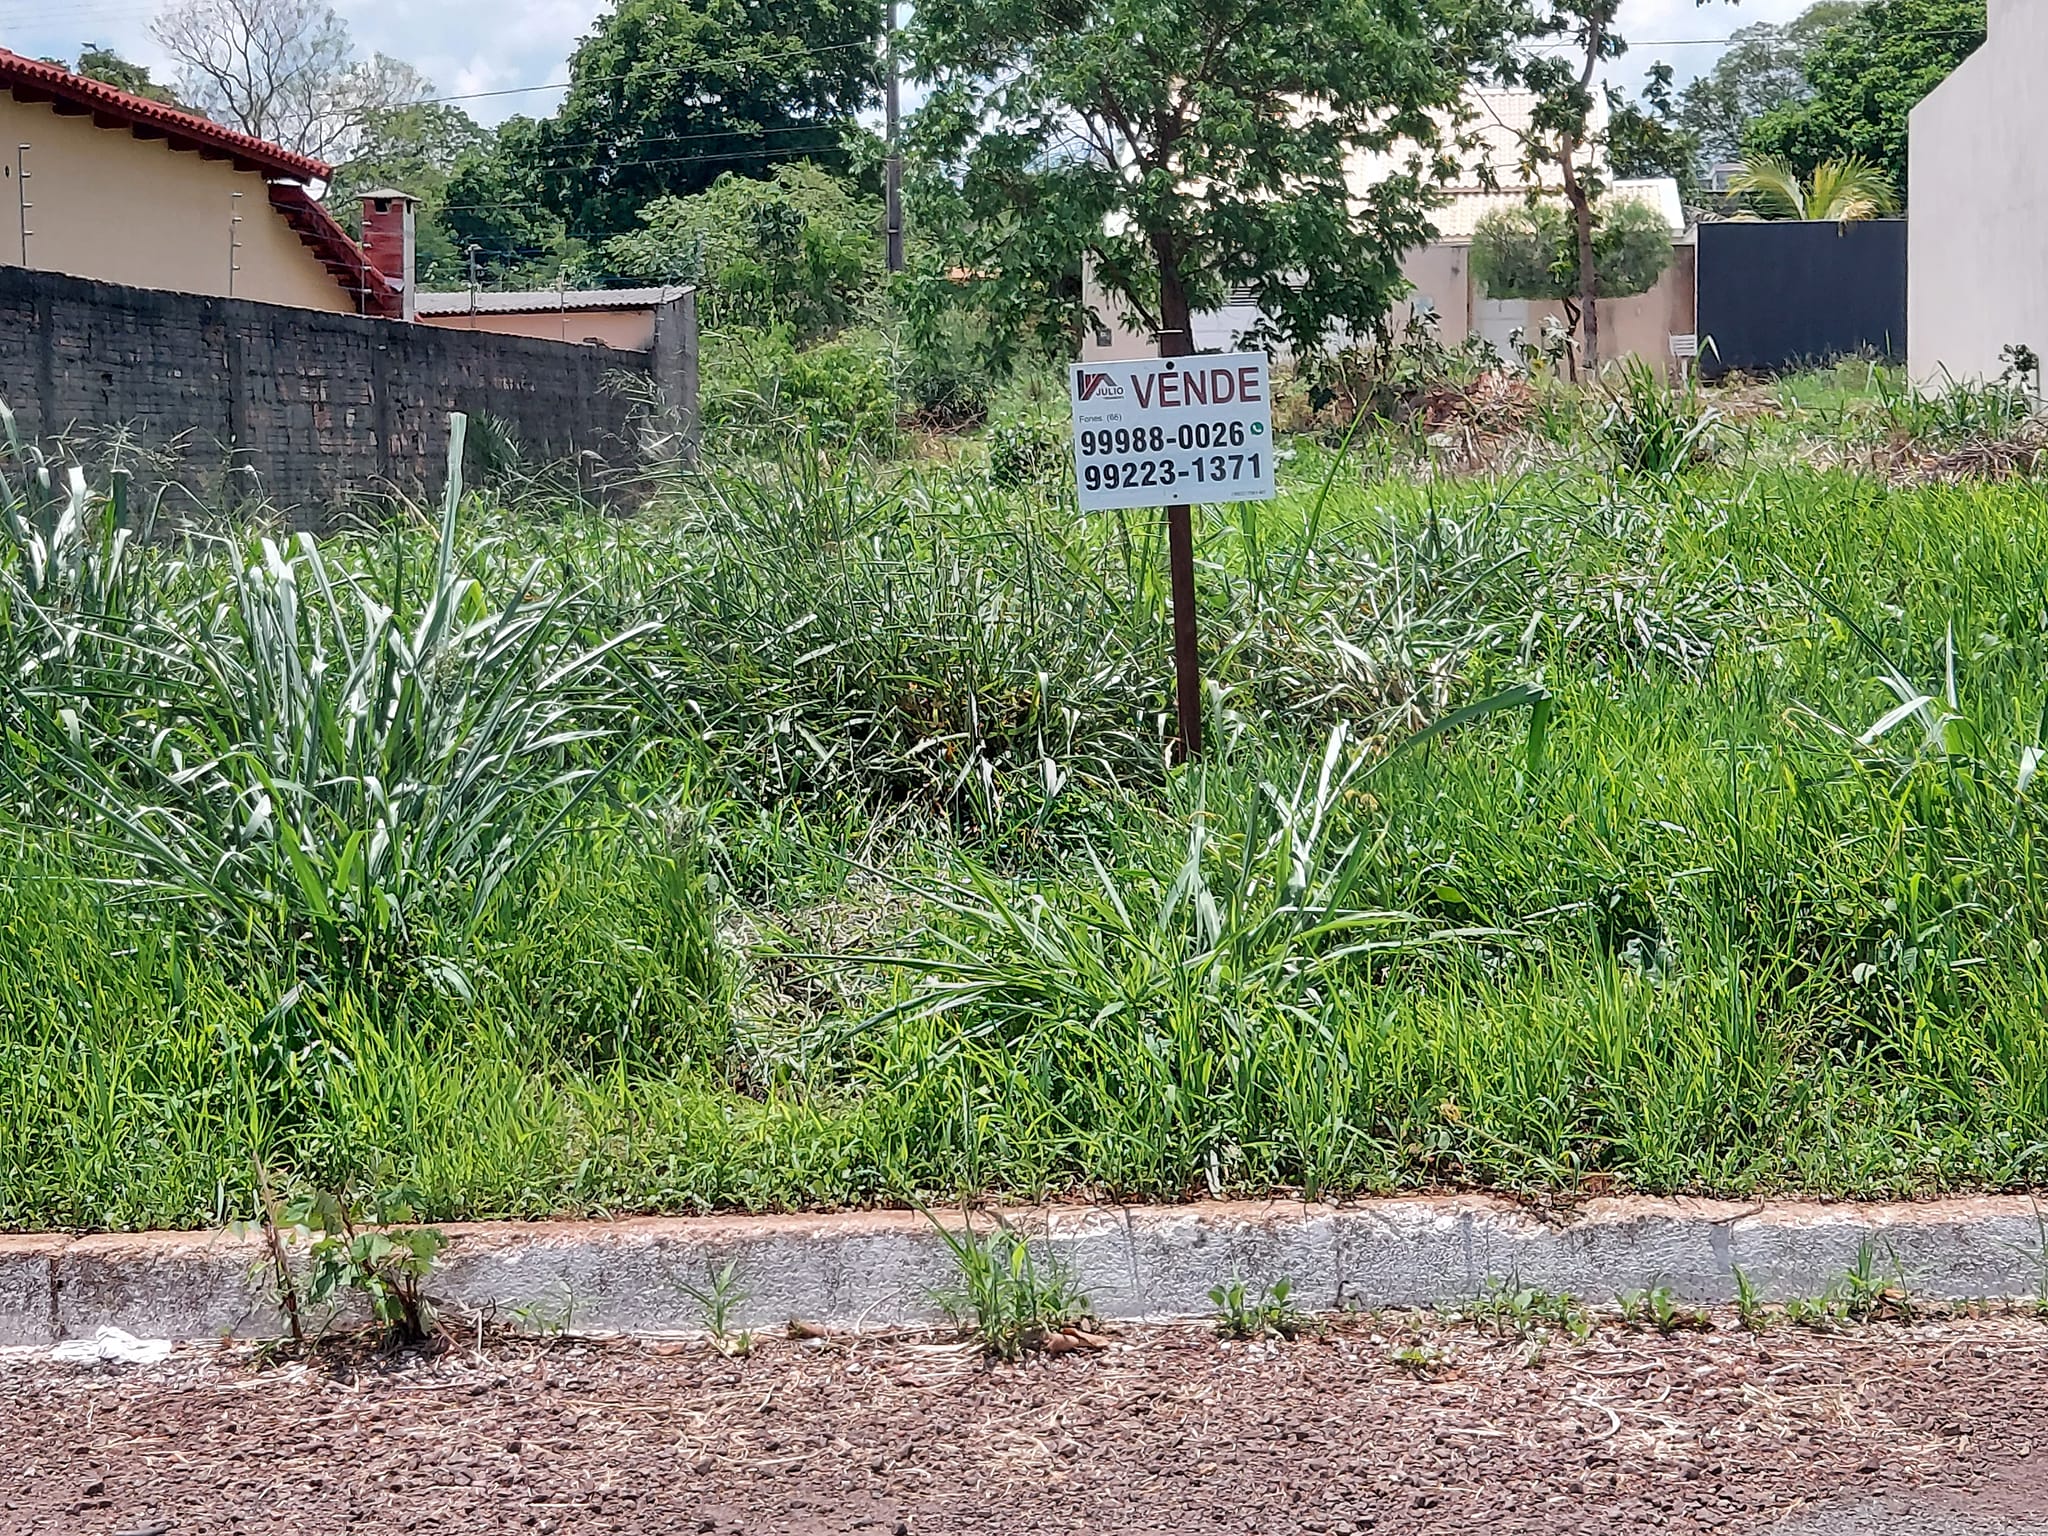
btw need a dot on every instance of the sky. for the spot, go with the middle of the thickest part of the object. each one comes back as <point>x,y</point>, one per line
<point>474,46</point>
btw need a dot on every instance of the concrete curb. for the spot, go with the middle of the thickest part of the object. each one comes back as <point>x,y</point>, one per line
<point>880,1269</point>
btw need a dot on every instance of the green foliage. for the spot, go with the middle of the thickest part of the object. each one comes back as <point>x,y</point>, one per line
<point>1762,69</point>
<point>1262,1314</point>
<point>1531,251</point>
<point>1007,1297</point>
<point>493,201</point>
<point>1657,1308</point>
<point>1028,451</point>
<point>1839,191</point>
<point>1520,253</point>
<point>1958,413</point>
<point>718,1299</point>
<point>1528,1312</point>
<point>949,371</point>
<point>415,148</point>
<point>387,1268</point>
<point>897,894</point>
<point>1750,1310</point>
<point>1865,75</point>
<point>1197,168</point>
<point>123,74</point>
<point>1649,427</point>
<point>327,764</point>
<point>1647,138</point>
<point>666,96</point>
<point>797,250</point>
<point>760,386</point>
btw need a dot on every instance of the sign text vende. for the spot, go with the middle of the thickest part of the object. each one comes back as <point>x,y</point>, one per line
<point>1155,432</point>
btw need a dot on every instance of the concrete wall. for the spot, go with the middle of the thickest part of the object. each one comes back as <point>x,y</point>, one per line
<point>310,410</point>
<point>629,330</point>
<point>126,210</point>
<point>1641,326</point>
<point>1977,196</point>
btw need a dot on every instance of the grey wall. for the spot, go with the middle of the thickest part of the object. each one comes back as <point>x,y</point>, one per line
<point>312,411</point>
<point>1774,295</point>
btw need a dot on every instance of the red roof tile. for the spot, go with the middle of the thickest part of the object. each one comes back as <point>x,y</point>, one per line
<point>375,293</point>
<point>79,96</point>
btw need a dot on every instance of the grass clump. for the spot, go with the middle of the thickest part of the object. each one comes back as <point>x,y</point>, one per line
<point>812,839</point>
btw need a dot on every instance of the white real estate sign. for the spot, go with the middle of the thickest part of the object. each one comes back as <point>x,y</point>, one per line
<point>1153,432</point>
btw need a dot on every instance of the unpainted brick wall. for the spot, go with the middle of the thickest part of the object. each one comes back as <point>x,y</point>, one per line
<point>310,411</point>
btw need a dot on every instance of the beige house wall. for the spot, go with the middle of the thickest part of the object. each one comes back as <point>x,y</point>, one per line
<point>629,330</point>
<point>1642,326</point>
<point>110,206</point>
<point>1977,195</point>
<point>1442,273</point>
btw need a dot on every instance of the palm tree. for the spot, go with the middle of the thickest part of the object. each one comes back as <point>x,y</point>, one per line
<point>1841,190</point>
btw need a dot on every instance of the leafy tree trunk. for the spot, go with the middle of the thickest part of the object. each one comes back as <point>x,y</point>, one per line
<point>1577,195</point>
<point>1176,324</point>
<point>1580,197</point>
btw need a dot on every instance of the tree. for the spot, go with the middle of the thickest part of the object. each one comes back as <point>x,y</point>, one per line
<point>1646,138</point>
<point>666,96</point>
<point>1179,147</point>
<point>1562,131</point>
<point>1865,77</point>
<point>1841,191</point>
<point>1532,252</point>
<point>797,248</point>
<point>417,149</point>
<point>107,66</point>
<point>283,70</point>
<point>493,205</point>
<point>1764,68</point>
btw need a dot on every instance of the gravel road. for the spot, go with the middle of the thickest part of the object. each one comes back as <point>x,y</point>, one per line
<point>1405,1426</point>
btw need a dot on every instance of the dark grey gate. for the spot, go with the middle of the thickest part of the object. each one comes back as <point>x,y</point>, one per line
<point>1774,296</point>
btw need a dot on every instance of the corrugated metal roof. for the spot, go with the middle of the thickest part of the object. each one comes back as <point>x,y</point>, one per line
<point>544,300</point>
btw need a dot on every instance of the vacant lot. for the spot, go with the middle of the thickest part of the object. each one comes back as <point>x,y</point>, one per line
<point>1651,806</point>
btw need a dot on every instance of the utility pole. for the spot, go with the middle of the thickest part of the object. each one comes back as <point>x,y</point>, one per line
<point>892,168</point>
<point>234,239</point>
<point>470,251</point>
<point>21,202</point>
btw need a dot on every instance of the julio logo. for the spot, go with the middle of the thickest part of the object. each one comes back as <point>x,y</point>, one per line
<point>1098,386</point>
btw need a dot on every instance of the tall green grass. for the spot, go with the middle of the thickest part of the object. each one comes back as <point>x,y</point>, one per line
<point>812,839</point>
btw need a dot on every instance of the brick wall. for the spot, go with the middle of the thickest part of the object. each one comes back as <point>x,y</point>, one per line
<point>314,411</point>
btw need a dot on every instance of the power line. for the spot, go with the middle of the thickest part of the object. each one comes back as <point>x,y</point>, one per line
<point>562,85</point>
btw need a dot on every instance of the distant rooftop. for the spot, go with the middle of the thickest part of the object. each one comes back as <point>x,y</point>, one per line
<point>544,300</point>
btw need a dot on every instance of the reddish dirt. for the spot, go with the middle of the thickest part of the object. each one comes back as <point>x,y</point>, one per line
<point>1168,1430</point>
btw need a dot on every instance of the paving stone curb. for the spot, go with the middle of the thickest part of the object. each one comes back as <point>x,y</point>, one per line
<point>880,1269</point>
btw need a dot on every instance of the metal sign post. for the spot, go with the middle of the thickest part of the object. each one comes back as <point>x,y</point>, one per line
<point>1168,432</point>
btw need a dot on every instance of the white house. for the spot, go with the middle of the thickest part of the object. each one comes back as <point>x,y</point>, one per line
<point>1977,199</point>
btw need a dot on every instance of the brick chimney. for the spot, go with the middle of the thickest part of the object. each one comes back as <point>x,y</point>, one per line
<point>388,240</point>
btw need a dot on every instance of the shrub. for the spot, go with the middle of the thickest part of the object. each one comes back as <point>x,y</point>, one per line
<point>1026,451</point>
<point>1532,252</point>
<point>797,249</point>
<point>758,382</point>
